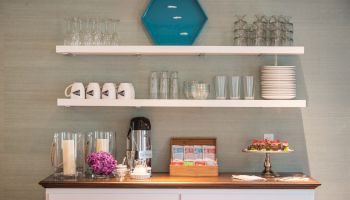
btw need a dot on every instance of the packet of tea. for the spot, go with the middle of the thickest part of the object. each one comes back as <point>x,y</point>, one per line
<point>189,153</point>
<point>198,152</point>
<point>209,152</point>
<point>177,152</point>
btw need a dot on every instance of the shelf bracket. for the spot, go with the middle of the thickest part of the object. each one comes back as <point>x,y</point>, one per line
<point>68,54</point>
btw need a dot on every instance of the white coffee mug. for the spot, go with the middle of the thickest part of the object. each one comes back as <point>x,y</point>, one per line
<point>77,91</point>
<point>126,91</point>
<point>93,91</point>
<point>109,91</point>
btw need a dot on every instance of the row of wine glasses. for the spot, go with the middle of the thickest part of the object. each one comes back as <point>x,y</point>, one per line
<point>90,31</point>
<point>263,31</point>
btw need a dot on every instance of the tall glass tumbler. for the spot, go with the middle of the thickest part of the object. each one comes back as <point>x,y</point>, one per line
<point>164,85</point>
<point>174,85</point>
<point>67,154</point>
<point>154,85</point>
<point>235,87</point>
<point>220,87</point>
<point>248,87</point>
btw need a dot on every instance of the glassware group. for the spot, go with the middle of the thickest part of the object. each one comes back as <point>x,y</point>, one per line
<point>91,31</point>
<point>69,151</point>
<point>264,31</point>
<point>224,86</point>
<point>234,87</point>
<point>163,86</point>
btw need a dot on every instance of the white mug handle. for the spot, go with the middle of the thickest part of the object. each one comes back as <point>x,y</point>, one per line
<point>66,90</point>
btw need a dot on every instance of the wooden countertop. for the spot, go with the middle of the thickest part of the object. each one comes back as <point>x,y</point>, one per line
<point>163,180</point>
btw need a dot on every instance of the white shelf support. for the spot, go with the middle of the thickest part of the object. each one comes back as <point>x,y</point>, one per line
<point>180,50</point>
<point>180,103</point>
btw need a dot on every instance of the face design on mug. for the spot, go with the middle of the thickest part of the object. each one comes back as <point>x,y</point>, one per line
<point>77,92</point>
<point>105,93</point>
<point>122,93</point>
<point>91,93</point>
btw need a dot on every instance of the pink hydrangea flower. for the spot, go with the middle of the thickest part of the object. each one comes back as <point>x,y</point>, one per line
<point>101,163</point>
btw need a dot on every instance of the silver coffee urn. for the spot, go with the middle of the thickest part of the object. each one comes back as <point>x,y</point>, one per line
<point>138,146</point>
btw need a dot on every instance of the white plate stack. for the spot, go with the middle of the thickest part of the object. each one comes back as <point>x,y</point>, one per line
<point>278,82</point>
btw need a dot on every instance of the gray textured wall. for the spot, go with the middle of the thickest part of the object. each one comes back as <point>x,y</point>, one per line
<point>33,77</point>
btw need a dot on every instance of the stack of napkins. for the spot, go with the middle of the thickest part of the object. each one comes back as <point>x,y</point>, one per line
<point>248,178</point>
<point>294,179</point>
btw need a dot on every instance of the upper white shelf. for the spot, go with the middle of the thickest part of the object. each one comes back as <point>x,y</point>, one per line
<point>179,103</point>
<point>180,50</point>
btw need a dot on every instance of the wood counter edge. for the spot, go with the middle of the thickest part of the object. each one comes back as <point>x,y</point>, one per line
<point>50,183</point>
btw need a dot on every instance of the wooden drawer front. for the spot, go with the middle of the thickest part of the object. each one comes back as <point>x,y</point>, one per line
<point>84,196</point>
<point>249,194</point>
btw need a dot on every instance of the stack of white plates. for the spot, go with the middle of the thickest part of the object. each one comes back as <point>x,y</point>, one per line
<point>278,82</point>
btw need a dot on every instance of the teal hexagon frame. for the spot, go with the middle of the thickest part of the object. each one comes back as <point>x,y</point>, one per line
<point>174,22</point>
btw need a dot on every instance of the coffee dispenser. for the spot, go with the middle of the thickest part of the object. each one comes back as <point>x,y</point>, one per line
<point>138,146</point>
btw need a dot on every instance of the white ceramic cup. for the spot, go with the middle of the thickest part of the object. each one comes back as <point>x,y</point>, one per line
<point>126,91</point>
<point>77,91</point>
<point>93,91</point>
<point>109,91</point>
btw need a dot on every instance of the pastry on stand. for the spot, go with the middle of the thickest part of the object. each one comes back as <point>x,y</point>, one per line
<point>268,147</point>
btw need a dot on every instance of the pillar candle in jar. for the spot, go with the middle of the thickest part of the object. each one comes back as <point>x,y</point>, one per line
<point>69,167</point>
<point>102,145</point>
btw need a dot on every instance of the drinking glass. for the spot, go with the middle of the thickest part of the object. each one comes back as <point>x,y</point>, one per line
<point>154,85</point>
<point>75,41</point>
<point>164,85</point>
<point>174,85</point>
<point>104,32</point>
<point>200,90</point>
<point>248,87</point>
<point>68,32</point>
<point>220,87</point>
<point>241,31</point>
<point>187,88</point>
<point>235,87</point>
<point>115,36</point>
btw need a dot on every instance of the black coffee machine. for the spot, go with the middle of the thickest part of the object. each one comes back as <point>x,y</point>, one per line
<point>138,145</point>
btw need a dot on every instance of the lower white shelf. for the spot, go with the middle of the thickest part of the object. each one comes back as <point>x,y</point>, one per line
<point>179,103</point>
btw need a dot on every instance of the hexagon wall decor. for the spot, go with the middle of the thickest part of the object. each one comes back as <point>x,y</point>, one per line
<point>174,22</point>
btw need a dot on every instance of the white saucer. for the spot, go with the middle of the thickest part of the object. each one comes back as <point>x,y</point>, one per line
<point>279,90</point>
<point>277,75</point>
<point>268,87</point>
<point>276,81</point>
<point>278,71</point>
<point>140,176</point>
<point>278,67</point>
<point>279,97</point>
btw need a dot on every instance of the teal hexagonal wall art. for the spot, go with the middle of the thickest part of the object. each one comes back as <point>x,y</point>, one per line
<point>174,22</point>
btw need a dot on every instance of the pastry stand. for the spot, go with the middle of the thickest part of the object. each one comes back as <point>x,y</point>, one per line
<point>267,163</point>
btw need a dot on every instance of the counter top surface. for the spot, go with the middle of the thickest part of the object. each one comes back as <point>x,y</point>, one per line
<point>163,180</point>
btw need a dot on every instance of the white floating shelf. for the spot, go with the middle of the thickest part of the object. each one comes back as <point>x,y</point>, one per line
<point>179,103</point>
<point>180,50</point>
